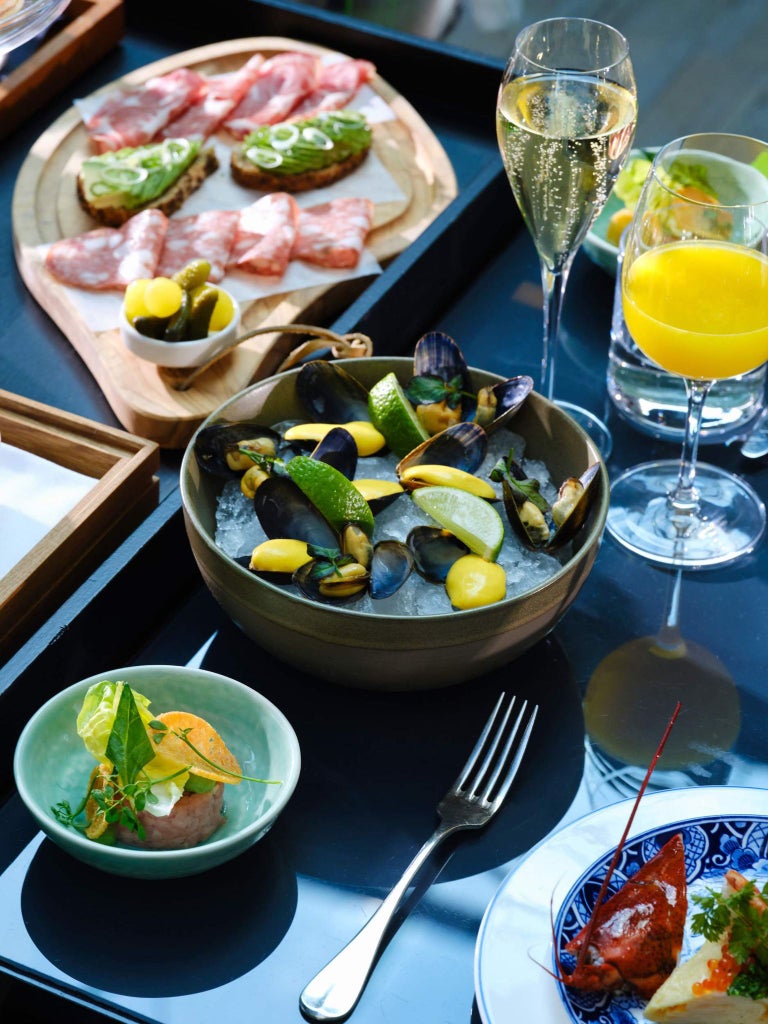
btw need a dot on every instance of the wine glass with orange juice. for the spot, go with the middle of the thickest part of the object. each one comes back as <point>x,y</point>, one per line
<point>695,299</point>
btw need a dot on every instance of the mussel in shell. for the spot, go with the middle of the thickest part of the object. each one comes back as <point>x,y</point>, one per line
<point>462,446</point>
<point>330,583</point>
<point>283,510</point>
<point>539,525</point>
<point>219,447</point>
<point>391,566</point>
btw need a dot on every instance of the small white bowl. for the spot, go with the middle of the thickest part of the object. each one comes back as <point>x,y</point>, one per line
<point>179,353</point>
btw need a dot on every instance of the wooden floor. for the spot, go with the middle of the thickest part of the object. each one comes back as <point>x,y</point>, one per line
<point>700,65</point>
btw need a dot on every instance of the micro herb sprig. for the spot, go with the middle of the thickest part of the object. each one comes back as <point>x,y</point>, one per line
<point>522,489</point>
<point>326,561</point>
<point>125,792</point>
<point>741,916</point>
<point>269,463</point>
<point>426,389</point>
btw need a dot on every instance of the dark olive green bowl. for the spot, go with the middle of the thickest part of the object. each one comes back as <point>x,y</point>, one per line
<point>382,651</point>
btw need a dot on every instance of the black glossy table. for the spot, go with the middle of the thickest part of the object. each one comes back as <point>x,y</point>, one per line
<point>240,942</point>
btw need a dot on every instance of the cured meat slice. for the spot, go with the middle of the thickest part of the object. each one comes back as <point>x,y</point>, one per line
<point>133,117</point>
<point>107,259</point>
<point>208,236</point>
<point>337,85</point>
<point>220,96</point>
<point>333,234</point>
<point>265,235</point>
<point>283,81</point>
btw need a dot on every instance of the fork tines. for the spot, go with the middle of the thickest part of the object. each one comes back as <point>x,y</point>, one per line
<point>493,764</point>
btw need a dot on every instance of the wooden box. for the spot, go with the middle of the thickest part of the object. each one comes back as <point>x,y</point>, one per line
<point>125,490</point>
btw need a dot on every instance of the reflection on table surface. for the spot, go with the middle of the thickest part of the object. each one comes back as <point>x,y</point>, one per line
<point>245,939</point>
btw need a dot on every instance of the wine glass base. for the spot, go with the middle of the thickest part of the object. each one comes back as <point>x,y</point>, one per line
<point>727,525</point>
<point>591,425</point>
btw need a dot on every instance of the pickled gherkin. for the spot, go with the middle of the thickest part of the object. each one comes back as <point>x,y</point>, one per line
<point>203,301</point>
<point>193,275</point>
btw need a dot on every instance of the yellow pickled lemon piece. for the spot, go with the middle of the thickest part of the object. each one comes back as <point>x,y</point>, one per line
<point>616,225</point>
<point>473,582</point>
<point>135,305</point>
<point>279,555</point>
<point>222,313</point>
<point>367,438</point>
<point>211,757</point>
<point>447,476</point>
<point>473,520</point>
<point>334,496</point>
<point>162,296</point>
<point>393,414</point>
<point>371,489</point>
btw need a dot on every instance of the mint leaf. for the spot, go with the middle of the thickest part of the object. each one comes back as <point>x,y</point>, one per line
<point>128,746</point>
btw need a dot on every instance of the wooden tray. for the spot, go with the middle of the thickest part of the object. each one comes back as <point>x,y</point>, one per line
<point>82,35</point>
<point>142,395</point>
<point>124,492</point>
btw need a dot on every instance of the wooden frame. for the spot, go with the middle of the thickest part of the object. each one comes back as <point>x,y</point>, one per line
<point>85,32</point>
<point>125,490</point>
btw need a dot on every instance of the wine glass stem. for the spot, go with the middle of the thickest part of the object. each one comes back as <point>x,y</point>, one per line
<point>683,500</point>
<point>553,284</point>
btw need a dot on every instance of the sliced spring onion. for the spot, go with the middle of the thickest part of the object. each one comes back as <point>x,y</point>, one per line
<point>283,136</point>
<point>267,159</point>
<point>314,137</point>
<point>173,151</point>
<point>123,175</point>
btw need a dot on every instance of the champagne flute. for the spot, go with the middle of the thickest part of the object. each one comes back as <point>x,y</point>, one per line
<point>695,298</point>
<point>565,120</point>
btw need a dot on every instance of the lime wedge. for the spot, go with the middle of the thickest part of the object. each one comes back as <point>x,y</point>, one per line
<point>473,520</point>
<point>334,496</point>
<point>393,415</point>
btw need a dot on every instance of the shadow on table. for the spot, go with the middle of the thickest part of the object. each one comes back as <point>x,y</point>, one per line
<point>170,938</point>
<point>374,765</point>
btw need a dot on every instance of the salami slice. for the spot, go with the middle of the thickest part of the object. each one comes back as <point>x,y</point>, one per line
<point>133,117</point>
<point>220,96</point>
<point>108,259</point>
<point>283,81</point>
<point>333,234</point>
<point>266,234</point>
<point>208,236</point>
<point>336,86</point>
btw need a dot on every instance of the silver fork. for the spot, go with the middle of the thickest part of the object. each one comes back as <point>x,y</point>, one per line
<point>471,802</point>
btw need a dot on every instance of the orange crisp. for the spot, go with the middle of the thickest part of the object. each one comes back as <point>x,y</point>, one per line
<point>204,738</point>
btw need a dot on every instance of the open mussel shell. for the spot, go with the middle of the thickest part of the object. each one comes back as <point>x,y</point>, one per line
<point>338,449</point>
<point>284,510</point>
<point>339,586</point>
<point>216,446</point>
<point>497,405</point>
<point>434,551</point>
<point>573,504</point>
<point>437,355</point>
<point>462,446</point>
<point>391,566</point>
<point>331,394</point>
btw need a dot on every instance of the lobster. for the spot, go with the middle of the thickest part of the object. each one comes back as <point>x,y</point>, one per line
<point>633,939</point>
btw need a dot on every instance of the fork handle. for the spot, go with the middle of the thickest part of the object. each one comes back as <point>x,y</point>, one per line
<point>334,991</point>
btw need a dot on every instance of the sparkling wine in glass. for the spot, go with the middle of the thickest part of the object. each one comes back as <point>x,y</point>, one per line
<point>695,299</point>
<point>565,119</point>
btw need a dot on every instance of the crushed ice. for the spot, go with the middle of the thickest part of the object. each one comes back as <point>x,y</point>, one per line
<point>238,532</point>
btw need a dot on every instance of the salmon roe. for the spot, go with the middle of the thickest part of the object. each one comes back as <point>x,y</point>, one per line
<point>721,973</point>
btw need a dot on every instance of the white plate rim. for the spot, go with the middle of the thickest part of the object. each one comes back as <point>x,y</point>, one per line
<point>552,867</point>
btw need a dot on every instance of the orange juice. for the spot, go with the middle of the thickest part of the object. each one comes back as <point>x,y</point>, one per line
<point>699,308</point>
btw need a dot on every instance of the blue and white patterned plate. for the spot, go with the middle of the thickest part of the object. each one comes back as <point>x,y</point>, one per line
<point>723,827</point>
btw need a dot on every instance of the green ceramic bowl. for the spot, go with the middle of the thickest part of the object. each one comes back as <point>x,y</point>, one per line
<point>382,651</point>
<point>51,764</point>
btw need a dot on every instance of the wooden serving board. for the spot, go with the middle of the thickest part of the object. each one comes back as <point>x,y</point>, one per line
<point>142,395</point>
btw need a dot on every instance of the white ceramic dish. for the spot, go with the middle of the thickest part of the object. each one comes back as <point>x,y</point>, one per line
<point>51,764</point>
<point>179,353</point>
<point>516,933</point>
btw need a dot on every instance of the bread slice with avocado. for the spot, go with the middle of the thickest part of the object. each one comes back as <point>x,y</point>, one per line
<point>114,186</point>
<point>295,156</point>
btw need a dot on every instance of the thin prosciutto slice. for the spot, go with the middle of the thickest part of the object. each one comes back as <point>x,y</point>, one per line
<point>108,259</point>
<point>208,236</point>
<point>266,234</point>
<point>133,117</point>
<point>221,95</point>
<point>283,81</point>
<point>333,234</point>
<point>337,85</point>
